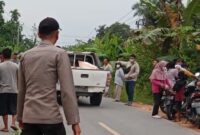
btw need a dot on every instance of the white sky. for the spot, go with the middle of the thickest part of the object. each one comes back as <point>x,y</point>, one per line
<point>78,18</point>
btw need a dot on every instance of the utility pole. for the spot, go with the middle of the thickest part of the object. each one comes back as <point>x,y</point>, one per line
<point>18,34</point>
<point>140,22</point>
<point>34,28</point>
<point>19,29</point>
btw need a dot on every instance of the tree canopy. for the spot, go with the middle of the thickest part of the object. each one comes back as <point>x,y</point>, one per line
<point>11,32</point>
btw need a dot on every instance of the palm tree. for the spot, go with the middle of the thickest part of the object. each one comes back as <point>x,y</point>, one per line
<point>160,13</point>
<point>2,4</point>
<point>168,13</point>
<point>192,13</point>
<point>149,10</point>
<point>15,15</point>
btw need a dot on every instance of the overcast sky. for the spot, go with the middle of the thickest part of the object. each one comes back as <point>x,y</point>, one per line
<point>78,18</point>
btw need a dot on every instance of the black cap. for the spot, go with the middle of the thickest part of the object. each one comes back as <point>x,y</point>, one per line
<point>48,25</point>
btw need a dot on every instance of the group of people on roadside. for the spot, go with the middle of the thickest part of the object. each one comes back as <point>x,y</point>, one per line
<point>169,76</point>
<point>126,71</point>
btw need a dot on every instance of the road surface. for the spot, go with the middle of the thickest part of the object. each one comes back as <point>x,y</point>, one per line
<point>117,119</point>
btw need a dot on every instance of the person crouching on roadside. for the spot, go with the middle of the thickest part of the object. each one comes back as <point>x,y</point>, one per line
<point>159,81</point>
<point>119,82</point>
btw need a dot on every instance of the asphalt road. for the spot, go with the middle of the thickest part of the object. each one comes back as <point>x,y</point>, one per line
<point>117,119</point>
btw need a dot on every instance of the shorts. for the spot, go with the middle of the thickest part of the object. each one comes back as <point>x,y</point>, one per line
<point>8,104</point>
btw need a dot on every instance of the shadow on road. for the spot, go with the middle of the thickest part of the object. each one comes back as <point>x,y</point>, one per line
<point>84,102</point>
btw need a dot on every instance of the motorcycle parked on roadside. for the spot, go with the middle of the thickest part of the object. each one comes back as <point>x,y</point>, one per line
<point>192,105</point>
<point>192,102</point>
<point>175,96</point>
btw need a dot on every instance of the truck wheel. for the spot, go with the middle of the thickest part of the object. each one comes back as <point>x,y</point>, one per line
<point>96,99</point>
<point>59,98</point>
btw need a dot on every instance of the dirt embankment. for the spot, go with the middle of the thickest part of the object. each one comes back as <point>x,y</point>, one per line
<point>183,123</point>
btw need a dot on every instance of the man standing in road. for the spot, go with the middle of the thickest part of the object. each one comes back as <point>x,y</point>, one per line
<point>8,89</point>
<point>40,69</point>
<point>107,67</point>
<point>131,75</point>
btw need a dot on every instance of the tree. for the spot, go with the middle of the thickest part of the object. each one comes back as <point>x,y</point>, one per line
<point>159,13</point>
<point>15,15</point>
<point>11,32</point>
<point>172,9</point>
<point>101,31</point>
<point>149,10</point>
<point>192,13</point>
<point>122,31</point>
<point>13,29</point>
<point>2,4</point>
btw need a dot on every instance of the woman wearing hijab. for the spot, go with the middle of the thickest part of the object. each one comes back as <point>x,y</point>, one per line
<point>159,81</point>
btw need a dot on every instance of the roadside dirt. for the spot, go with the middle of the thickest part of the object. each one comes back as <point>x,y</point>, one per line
<point>183,123</point>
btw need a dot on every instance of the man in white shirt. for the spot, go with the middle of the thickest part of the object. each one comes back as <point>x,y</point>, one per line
<point>8,89</point>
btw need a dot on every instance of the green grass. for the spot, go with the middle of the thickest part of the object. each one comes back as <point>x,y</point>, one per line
<point>18,132</point>
<point>142,94</point>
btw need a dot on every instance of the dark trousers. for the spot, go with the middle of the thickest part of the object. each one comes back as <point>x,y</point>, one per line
<point>44,129</point>
<point>157,99</point>
<point>8,104</point>
<point>130,85</point>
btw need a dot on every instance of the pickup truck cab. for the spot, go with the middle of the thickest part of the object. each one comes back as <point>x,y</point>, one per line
<point>89,82</point>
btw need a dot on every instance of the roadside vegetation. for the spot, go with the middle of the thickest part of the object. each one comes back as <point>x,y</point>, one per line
<point>11,31</point>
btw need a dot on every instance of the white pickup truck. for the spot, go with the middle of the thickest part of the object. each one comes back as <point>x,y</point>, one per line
<point>88,82</point>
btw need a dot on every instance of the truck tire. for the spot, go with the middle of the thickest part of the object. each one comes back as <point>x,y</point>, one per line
<point>96,99</point>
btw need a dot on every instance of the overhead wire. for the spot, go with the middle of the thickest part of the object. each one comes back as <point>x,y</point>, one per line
<point>123,17</point>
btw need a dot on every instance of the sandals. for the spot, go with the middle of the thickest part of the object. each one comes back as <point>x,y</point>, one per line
<point>15,128</point>
<point>4,130</point>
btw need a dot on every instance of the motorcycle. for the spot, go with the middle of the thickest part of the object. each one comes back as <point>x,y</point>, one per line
<point>192,102</point>
<point>168,104</point>
<point>196,107</point>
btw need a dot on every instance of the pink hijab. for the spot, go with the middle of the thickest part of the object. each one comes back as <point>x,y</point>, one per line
<point>158,72</point>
